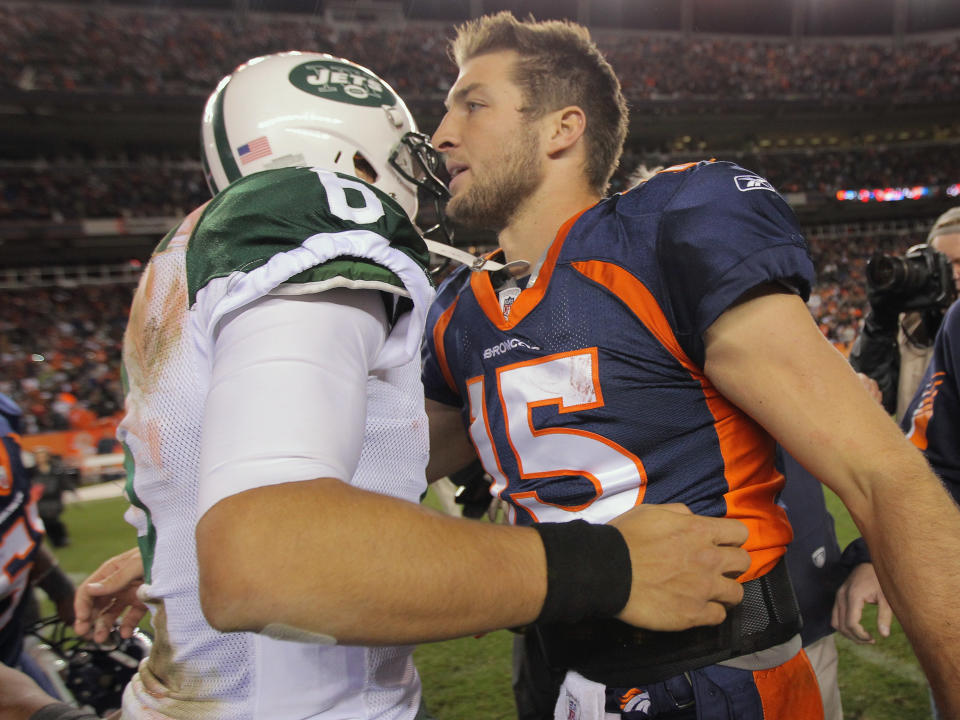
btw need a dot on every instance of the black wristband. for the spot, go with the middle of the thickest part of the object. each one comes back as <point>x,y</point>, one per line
<point>588,571</point>
<point>60,711</point>
<point>856,553</point>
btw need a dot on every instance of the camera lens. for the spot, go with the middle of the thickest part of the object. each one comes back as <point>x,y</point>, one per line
<point>885,272</point>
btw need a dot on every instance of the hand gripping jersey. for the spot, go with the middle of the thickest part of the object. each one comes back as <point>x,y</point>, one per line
<point>21,532</point>
<point>285,231</point>
<point>590,396</point>
<point>932,420</point>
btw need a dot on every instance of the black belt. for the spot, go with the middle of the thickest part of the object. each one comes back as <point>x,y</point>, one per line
<point>613,653</point>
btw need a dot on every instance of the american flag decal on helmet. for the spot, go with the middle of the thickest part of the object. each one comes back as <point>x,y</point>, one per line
<point>254,150</point>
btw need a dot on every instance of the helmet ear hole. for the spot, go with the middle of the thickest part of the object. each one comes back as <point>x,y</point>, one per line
<point>363,168</point>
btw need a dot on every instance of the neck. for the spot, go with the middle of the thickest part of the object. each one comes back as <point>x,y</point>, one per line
<point>535,224</point>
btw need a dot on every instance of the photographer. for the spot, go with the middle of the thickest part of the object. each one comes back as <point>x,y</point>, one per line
<point>908,297</point>
<point>920,381</point>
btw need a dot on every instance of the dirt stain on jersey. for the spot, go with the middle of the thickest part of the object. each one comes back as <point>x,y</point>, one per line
<point>159,311</point>
<point>179,694</point>
<point>157,318</point>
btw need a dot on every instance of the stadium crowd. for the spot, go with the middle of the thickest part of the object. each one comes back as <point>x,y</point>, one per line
<point>826,170</point>
<point>66,189</point>
<point>73,188</point>
<point>60,353</point>
<point>175,52</point>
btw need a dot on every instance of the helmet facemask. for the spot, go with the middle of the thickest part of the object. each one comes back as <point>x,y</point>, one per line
<point>415,159</point>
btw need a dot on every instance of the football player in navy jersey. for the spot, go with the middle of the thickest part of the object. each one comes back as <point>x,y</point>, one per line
<point>932,420</point>
<point>24,562</point>
<point>277,440</point>
<point>658,349</point>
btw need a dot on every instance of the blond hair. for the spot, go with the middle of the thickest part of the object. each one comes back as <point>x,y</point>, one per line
<point>559,66</point>
<point>946,224</point>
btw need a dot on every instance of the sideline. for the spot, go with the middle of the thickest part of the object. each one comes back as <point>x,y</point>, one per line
<point>100,491</point>
<point>875,656</point>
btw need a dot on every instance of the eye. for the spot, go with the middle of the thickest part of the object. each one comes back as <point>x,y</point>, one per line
<point>472,105</point>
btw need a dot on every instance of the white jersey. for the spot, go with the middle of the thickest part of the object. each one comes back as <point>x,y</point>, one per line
<point>287,231</point>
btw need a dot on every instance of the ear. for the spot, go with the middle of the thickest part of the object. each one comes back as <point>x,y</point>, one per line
<point>565,127</point>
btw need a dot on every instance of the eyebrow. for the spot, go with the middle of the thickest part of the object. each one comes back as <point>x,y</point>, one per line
<point>460,94</point>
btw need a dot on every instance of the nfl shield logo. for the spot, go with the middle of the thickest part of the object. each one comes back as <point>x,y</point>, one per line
<point>507,298</point>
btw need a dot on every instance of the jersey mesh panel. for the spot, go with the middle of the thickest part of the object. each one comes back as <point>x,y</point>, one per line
<point>393,462</point>
<point>162,429</point>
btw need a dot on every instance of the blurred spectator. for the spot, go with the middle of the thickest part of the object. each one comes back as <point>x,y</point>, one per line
<point>52,478</point>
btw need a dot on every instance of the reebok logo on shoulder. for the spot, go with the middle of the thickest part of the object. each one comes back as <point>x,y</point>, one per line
<point>752,182</point>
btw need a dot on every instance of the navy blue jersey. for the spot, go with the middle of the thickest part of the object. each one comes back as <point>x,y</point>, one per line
<point>21,532</point>
<point>932,420</point>
<point>589,397</point>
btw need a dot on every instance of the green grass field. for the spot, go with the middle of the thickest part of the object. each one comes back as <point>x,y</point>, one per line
<point>470,677</point>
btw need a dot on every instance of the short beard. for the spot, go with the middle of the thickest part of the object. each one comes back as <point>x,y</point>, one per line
<point>491,203</point>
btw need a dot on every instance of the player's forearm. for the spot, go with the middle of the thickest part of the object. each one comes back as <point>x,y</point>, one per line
<point>450,447</point>
<point>917,566</point>
<point>323,557</point>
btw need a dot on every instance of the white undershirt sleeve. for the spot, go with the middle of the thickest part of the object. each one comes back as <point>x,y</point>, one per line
<point>288,392</point>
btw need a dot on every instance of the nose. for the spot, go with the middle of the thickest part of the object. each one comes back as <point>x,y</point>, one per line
<point>444,137</point>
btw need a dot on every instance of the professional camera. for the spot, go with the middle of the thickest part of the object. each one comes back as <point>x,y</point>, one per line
<point>922,279</point>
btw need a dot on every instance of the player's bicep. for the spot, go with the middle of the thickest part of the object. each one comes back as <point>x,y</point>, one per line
<point>766,355</point>
<point>287,400</point>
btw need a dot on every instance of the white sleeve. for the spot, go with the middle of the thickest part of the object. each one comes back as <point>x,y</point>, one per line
<point>288,392</point>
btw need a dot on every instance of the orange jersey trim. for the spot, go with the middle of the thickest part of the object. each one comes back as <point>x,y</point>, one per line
<point>6,468</point>
<point>747,449</point>
<point>438,332</point>
<point>923,413</point>
<point>678,168</point>
<point>528,298</point>
<point>790,690</point>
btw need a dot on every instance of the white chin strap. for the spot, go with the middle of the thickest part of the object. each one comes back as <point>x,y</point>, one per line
<point>476,264</point>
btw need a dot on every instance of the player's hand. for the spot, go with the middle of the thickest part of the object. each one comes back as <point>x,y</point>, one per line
<point>684,566</point>
<point>871,386</point>
<point>111,591</point>
<point>860,588</point>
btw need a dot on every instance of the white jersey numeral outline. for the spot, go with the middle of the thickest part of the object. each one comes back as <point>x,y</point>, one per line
<point>336,188</point>
<point>571,382</point>
<point>17,544</point>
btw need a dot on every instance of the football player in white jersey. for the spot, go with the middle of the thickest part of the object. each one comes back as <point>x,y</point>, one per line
<point>276,438</point>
